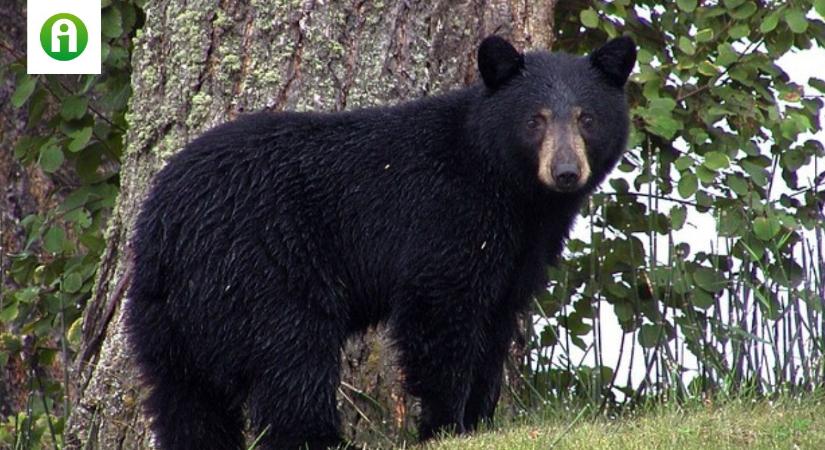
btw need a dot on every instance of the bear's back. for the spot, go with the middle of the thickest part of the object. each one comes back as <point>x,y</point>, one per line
<point>365,185</point>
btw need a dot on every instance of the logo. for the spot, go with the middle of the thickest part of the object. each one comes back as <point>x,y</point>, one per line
<point>64,37</point>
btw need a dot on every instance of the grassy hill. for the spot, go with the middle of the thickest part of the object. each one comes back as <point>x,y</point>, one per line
<point>784,424</point>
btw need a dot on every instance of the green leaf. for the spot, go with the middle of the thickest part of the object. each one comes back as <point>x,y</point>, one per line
<point>704,35</point>
<point>686,64</point>
<point>24,90</point>
<point>770,22</point>
<point>576,326</point>
<point>25,146</point>
<point>793,125</point>
<point>678,216</point>
<point>738,184</point>
<point>664,125</point>
<point>644,56</point>
<point>766,228</point>
<point>619,184</point>
<point>549,336</point>
<point>793,159</point>
<point>758,175</point>
<point>619,290</point>
<point>93,241</point>
<point>708,69</point>
<point>74,107</point>
<point>662,105</point>
<point>37,106</point>
<point>732,4</point>
<point>754,248</point>
<point>624,311</point>
<point>606,375</point>
<point>27,295</point>
<point>72,283</point>
<point>819,6</point>
<point>731,222</point>
<point>817,83</point>
<point>53,240</point>
<point>683,162</point>
<point>688,184</point>
<point>9,313</point>
<point>796,20</point>
<point>51,157</point>
<point>118,57</point>
<point>649,335</point>
<point>727,54</point>
<point>744,11</point>
<point>110,22</point>
<point>709,279</point>
<point>79,139</point>
<point>79,216</point>
<point>75,333</point>
<point>686,46</point>
<point>589,18</point>
<point>87,165</point>
<point>779,44</point>
<point>705,175</point>
<point>686,5</point>
<point>701,299</point>
<point>76,199</point>
<point>716,161</point>
<point>703,199</point>
<point>128,17</point>
<point>739,31</point>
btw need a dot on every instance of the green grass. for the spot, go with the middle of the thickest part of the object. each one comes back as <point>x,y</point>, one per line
<point>785,424</point>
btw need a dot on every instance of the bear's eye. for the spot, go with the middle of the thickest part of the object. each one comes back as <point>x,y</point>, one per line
<point>586,120</point>
<point>536,122</point>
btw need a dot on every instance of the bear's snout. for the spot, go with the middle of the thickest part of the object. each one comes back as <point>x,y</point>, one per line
<point>563,162</point>
<point>566,176</point>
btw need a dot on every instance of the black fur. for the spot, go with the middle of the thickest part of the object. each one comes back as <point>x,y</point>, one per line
<point>269,240</point>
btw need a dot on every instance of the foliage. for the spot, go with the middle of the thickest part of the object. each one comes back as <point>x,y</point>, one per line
<point>74,134</point>
<point>721,136</point>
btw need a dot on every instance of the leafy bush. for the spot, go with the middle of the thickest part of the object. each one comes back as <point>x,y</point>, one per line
<point>722,136</point>
<point>74,134</point>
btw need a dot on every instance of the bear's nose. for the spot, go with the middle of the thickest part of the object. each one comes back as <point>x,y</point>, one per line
<point>566,176</point>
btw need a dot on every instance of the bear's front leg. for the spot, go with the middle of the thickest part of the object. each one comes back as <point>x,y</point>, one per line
<point>438,341</point>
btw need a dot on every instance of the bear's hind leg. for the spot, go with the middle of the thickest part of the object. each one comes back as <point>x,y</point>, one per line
<point>438,354</point>
<point>292,402</point>
<point>189,416</point>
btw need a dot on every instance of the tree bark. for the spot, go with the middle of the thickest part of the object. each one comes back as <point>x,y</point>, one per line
<point>198,63</point>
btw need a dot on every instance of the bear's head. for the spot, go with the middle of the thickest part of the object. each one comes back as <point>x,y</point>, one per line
<point>557,119</point>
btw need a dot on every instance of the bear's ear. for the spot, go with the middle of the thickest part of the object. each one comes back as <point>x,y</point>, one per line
<point>616,59</point>
<point>498,61</point>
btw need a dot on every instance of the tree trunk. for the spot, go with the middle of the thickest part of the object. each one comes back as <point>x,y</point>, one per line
<point>198,63</point>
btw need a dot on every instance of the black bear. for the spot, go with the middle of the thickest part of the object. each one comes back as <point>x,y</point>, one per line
<point>268,241</point>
